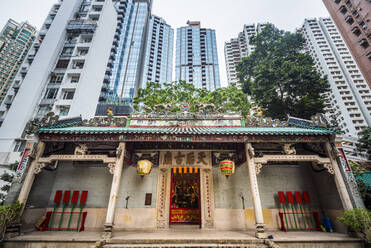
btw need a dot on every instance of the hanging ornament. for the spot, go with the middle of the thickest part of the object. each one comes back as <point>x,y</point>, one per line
<point>144,167</point>
<point>227,167</point>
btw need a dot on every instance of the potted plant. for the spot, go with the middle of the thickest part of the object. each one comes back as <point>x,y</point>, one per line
<point>359,221</point>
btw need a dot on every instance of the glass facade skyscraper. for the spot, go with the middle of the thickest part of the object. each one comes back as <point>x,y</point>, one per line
<point>124,70</point>
<point>197,56</point>
<point>158,65</point>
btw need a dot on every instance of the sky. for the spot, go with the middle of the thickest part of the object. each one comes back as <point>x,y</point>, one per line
<point>226,17</point>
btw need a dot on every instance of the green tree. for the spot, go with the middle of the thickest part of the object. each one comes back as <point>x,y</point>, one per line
<point>280,78</point>
<point>174,97</point>
<point>364,144</point>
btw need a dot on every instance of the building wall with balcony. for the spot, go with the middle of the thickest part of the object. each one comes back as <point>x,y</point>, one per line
<point>352,17</point>
<point>91,79</point>
<point>349,101</point>
<point>25,103</point>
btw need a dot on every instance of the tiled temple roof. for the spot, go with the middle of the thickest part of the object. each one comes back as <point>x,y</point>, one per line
<point>192,130</point>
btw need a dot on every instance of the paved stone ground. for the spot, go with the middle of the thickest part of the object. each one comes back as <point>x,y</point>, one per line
<point>182,234</point>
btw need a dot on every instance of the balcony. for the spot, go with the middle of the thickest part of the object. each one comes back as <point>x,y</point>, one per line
<point>47,101</point>
<point>30,58</point>
<point>79,26</point>
<point>343,9</point>
<point>356,31</point>
<point>349,20</point>
<point>16,85</point>
<point>364,43</point>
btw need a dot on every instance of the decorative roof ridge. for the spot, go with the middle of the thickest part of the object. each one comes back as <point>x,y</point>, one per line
<point>183,127</point>
<point>337,131</point>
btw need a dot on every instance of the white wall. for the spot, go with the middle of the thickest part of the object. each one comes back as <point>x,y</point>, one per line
<point>23,107</point>
<point>91,80</point>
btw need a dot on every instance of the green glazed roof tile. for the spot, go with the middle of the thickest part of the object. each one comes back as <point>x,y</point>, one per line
<point>193,130</point>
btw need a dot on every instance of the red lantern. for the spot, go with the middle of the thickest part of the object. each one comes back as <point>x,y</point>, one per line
<point>227,167</point>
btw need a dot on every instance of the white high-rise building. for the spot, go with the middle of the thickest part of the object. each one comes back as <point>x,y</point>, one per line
<point>63,72</point>
<point>238,48</point>
<point>349,101</point>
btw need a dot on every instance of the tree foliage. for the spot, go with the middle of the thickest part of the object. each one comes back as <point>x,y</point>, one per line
<point>358,219</point>
<point>365,141</point>
<point>175,97</point>
<point>8,216</point>
<point>280,78</point>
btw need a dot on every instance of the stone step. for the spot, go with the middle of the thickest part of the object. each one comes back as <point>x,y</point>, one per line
<point>186,246</point>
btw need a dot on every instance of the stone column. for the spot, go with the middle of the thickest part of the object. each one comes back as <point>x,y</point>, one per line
<point>258,211</point>
<point>339,180</point>
<point>30,177</point>
<point>114,190</point>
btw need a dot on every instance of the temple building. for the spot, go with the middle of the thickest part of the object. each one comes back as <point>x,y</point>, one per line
<point>159,171</point>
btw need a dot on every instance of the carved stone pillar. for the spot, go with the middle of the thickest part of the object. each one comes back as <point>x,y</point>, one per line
<point>207,198</point>
<point>339,180</point>
<point>34,169</point>
<point>163,199</point>
<point>114,190</point>
<point>258,211</point>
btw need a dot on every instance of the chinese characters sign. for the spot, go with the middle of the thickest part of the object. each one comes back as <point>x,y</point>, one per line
<point>186,158</point>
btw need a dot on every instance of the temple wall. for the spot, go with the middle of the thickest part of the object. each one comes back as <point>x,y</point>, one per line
<point>232,212</point>
<point>97,180</point>
<point>232,197</point>
<point>136,187</point>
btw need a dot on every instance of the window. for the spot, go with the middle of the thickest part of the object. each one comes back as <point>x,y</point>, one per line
<point>82,51</point>
<point>19,146</point>
<point>51,94</point>
<point>343,9</point>
<point>56,78</point>
<point>75,79</point>
<point>369,56</point>
<point>349,20</point>
<point>364,43</point>
<point>62,64</point>
<point>363,25</point>
<point>63,110</point>
<point>43,110</point>
<point>68,94</point>
<point>356,31</point>
<point>67,51</point>
<point>78,65</point>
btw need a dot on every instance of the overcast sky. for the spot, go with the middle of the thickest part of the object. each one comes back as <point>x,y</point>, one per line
<point>227,17</point>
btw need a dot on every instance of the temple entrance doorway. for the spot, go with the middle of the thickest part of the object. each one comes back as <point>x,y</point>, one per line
<point>185,204</point>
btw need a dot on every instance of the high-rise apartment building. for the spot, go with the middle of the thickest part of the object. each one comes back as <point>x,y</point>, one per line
<point>197,56</point>
<point>125,67</point>
<point>352,18</point>
<point>64,69</point>
<point>239,48</point>
<point>349,102</point>
<point>87,53</point>
<point>15,41</point>
<point>158,63</point>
